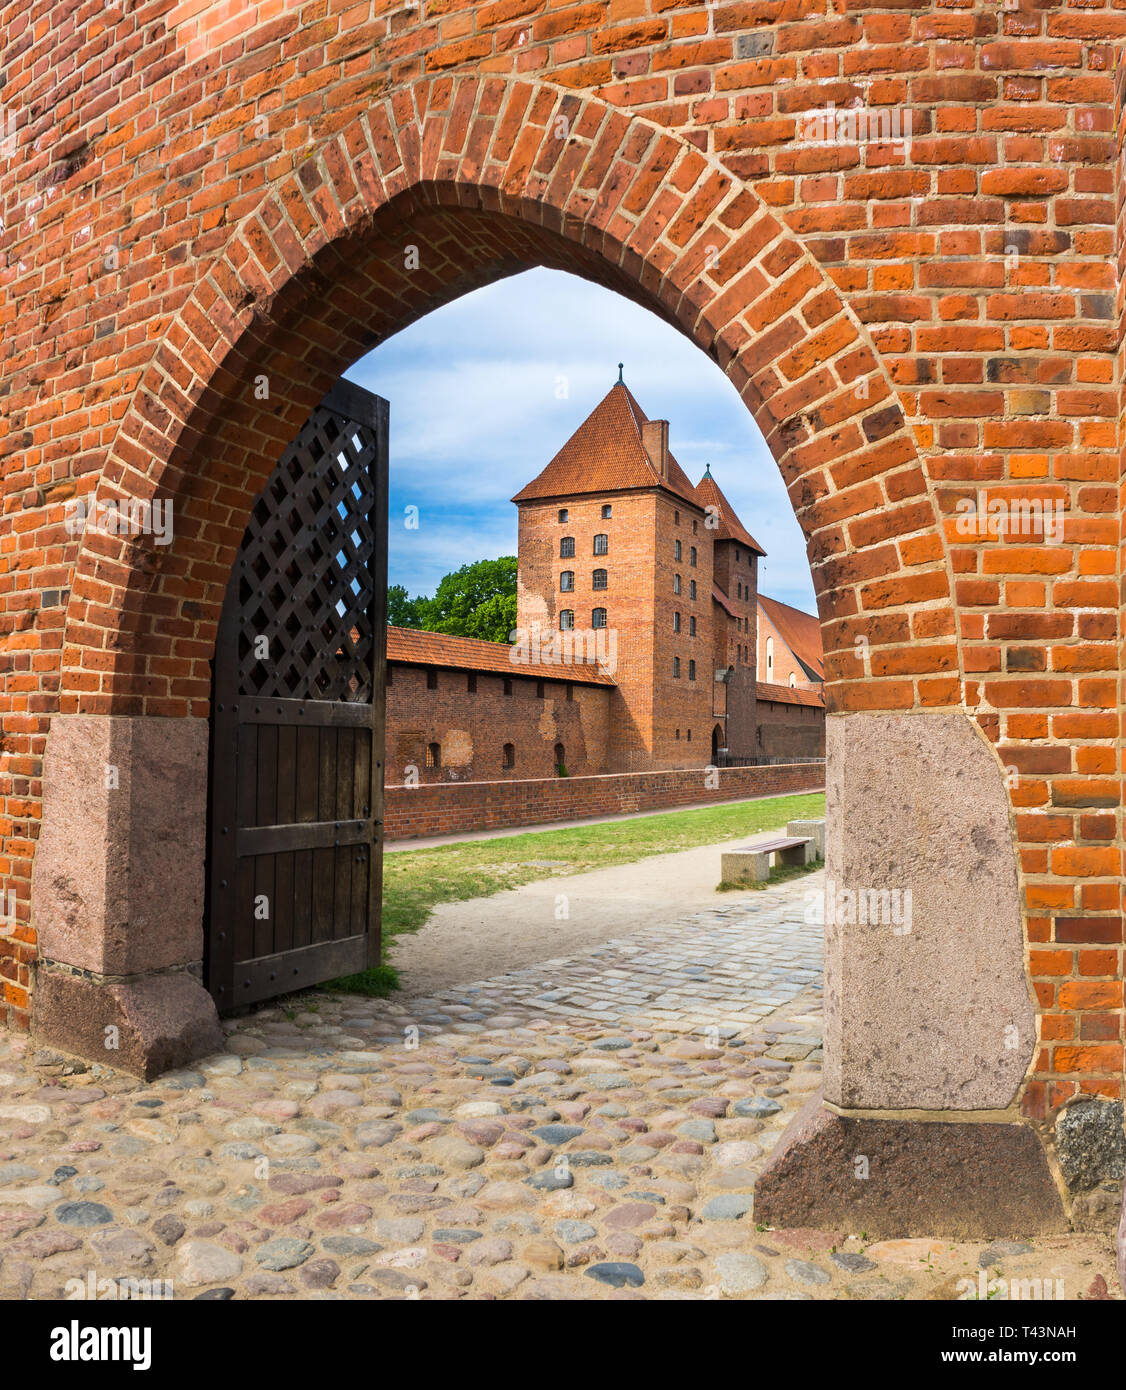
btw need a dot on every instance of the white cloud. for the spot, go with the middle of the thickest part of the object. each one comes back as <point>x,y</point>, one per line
<point>485,390</point>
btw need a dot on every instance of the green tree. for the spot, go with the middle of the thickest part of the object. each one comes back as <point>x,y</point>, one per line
<point>478,600</point>
<point>403,611</point>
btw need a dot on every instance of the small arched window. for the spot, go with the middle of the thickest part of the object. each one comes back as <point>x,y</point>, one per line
<point>567,580</point>
<point>676,622</point>
<point>598,617</point>
<point>509,755</point>
<point>676,550</point>
<point>770,658</point>
<point>793,680</point>
<point>560,759</point>
<point>692,555</point>
<point>566,619</point>
<point>692,588</point>
<point>602,544</point>
<point>598,580</point>
<point>691,675</point>
<point>676,583</point>
<point>566,547</point>
<point>433,755</point>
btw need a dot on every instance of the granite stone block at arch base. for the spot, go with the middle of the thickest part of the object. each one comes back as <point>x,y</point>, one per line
<point>894,1177</point>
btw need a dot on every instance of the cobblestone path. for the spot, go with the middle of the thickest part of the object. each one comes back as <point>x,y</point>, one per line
<point>588,1128</point>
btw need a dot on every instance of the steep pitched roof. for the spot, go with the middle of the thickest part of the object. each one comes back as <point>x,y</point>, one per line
<point>605,454</point>
<point>788,694</point>
<point>730,528</point>
<point>800,631</point>
<point>724,602</point>
<point>410,647</point>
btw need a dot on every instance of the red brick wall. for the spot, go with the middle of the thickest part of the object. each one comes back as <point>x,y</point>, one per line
<point>472,728</point>
<point>742,713</point>
<point>428,810</point>
<point>628,599</point>
<point>790,731</point>
<point>736,573</point>
<point>681,705</point>
<point>189,182</point>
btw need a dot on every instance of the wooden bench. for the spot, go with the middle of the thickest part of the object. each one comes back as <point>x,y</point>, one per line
<point>751,863</point>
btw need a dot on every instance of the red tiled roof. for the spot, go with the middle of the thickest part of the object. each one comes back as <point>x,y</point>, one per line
<point>788,694</point>
<point>411,647</point>
<point>724,602</point>
<point>605,454</point>
<point>730,528</point>
<point>800,631</point>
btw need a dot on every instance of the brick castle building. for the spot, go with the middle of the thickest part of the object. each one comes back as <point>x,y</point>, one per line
<point>640,636</point>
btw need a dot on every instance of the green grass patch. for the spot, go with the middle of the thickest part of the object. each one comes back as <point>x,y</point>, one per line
<point>378,982</point>
<point>416,881</point>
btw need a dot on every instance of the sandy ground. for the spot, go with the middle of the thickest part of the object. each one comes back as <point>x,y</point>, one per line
<point>473,940</point>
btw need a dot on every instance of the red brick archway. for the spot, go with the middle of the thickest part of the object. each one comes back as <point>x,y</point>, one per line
<point>488,176</point>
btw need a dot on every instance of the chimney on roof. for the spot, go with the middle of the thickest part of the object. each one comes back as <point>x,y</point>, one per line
<point>655,441</point>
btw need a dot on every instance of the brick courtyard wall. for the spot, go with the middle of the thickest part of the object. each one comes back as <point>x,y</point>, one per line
<point>430,810</point>
<point>790,731</point>
<point>471,729</point>
<point>913,327</point>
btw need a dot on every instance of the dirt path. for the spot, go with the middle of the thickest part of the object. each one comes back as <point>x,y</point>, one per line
<point>558,915</point>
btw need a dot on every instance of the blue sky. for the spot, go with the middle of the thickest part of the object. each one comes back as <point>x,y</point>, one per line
<point>484,392</point>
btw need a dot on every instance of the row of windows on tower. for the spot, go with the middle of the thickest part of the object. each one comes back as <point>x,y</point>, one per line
<point>599,579</point>
<point>567,546</point>
<point>678,553</point>
<point>676,586</point>
<point>508,755</point>
<point>567,618</point>
<point>691,624</point>
<point>676,669</point>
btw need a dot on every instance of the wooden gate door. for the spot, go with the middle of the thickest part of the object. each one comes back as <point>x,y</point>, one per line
<point>296,807</point>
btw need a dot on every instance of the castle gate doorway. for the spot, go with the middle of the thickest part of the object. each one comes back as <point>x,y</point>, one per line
<point>296,777</point>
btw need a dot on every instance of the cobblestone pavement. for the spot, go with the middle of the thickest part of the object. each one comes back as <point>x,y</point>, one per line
<point>706,971</point>
<point>562,1132</point>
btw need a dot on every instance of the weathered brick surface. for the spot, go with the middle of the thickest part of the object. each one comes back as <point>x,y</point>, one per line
<point>433,810</point>
<point>194,196</point>
<point>786,730</point>
<point>471,727</point>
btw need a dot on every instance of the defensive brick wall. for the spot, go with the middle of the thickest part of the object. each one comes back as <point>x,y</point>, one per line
<point>442,810</point>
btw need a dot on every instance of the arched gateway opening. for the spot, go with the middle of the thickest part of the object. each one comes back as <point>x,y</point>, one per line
<point>451,184</point>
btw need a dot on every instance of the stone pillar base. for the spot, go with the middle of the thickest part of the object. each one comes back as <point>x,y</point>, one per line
<point>956,1179</point>
<point>144,1024</point>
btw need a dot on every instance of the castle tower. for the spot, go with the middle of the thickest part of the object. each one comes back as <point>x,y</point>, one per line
<point>614,557</point>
